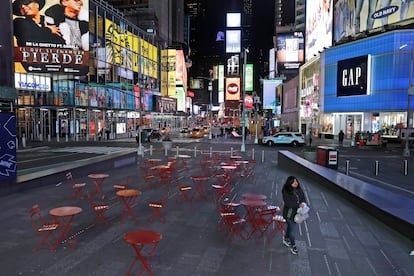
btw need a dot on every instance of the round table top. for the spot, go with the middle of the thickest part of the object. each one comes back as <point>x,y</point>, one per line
<point>241,162</point>
<point>65,211</point>
<point>253,203</point>
<point>142,237</point>
<point>98,175</point>
<point>251,196</point>
<point>128,192</point>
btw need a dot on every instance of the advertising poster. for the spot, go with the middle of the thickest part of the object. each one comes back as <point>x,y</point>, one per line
<point>233,89</point>
<point>51,36</point>
<point>318,35</point>
<point>8,163</point>
<point>353,17</point>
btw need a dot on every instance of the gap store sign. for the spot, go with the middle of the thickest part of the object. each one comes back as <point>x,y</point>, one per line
<point>353,76</point>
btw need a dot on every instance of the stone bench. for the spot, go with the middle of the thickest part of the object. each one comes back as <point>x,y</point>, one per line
<point>397,211</point>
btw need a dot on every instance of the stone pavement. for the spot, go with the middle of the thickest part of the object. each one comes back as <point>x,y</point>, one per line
<point>337,239</point>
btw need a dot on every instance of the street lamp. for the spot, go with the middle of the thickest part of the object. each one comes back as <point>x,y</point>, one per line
<point>210,90</point>
<point>243,145</point>
<point>140,148</point>
<point>256,102</point>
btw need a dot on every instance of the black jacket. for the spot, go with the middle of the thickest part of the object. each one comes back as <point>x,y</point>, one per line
<point>292,199</point>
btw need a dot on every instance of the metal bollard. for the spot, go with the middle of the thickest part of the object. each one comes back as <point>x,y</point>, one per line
<point>195,152</point>
<point>211,152</point>
<point>252,153</point>
<point>376,167</point>
<point>165,151</point>
<point>231,151</point>
<point>405,167</point>
<point>262,156</point>
<point>177,151</point>
<point>347,167</point>
<point>150,150</point>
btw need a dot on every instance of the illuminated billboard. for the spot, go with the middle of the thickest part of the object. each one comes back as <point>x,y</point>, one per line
<point>232,89</point>
<point>290,50</point>
<point>366,15</point>
<point>233,41</point>
<point>51,36</point>
<point>319,18</point>
<point>271,94</point>
<point>233,20</point>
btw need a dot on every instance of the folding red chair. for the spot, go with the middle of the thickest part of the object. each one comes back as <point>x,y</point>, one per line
<point>185,191</point>
<point>157,207</point>
<point>230,221</point>
<point>262,222</point>
<point>279,224</point>
<point>200,183</point>
<point>147,175</point>
<point>43,228</point>
<point>122,186</point>
<point>99,210</point>
<point>76,187</point>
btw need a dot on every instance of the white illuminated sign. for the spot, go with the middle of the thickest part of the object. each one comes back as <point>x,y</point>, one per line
<point>32,82</point>
<point>233,20</point>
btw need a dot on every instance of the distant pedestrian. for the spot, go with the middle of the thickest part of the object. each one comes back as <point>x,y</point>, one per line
<point>293,198</point>
<point>341,136</point>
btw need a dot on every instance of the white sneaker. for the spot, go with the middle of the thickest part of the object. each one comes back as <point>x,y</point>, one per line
<point>286,242</point>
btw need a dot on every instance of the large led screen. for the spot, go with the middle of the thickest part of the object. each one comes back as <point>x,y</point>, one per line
<point>290,50</point>
<point>51,36</point>
<point>318,27</point>
<point>353,17</point>
<point>233,41</point>
<point>271,99</point>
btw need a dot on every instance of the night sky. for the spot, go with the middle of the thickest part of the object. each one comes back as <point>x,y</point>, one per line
<point>207,51</point>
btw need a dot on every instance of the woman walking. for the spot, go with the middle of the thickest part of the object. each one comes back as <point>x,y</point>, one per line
<point>293,198</point>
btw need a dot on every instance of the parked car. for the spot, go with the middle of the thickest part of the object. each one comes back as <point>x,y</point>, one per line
<point>285,138</point>
<point>165,131</point>
<point>196,133</point>
<point>154,134</point>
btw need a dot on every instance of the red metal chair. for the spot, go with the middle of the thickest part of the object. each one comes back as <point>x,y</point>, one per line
<point>122,186</point>
<point>279,224</point>
<point>230,221</point>
<point>262,222</point>
<point>185,191</point>
<point>157,207</point>
<point>99,210</point>
<point>76,187</point>
<point>147,175</point>
<point>43,228</point>
<point>200,183</point>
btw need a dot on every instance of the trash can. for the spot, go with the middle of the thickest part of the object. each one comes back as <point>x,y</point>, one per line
<point>144,136</point>
<point>327,157</point>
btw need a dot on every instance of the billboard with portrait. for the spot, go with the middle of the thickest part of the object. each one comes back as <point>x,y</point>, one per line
<point>319,18</point>
<point>353,17</point>
<point>51,36</point>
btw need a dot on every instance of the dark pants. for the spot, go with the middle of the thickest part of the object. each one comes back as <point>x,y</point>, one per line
<point>291,231</point>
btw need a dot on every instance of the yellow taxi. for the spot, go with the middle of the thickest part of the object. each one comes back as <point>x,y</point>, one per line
<point>196,133</point>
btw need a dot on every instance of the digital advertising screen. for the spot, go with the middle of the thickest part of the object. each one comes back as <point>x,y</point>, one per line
<point>51,36</point>
<point>353,17</point>
<point>319,18</point>
<point>290,50</point>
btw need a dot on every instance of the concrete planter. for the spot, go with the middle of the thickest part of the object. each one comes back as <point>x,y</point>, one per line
<point>167,145</point>
<point>310,156</point>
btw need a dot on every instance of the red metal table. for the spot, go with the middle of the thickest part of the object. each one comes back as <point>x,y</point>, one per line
<point>65,215</point>
<point>129,198</point>
<point>97,180</point>
<point>138,239</point>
